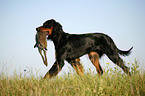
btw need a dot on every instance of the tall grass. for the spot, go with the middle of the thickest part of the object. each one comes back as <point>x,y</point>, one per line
<point>112,82</point>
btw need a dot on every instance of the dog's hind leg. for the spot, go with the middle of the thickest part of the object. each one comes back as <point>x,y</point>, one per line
<point>94,57</point>
<point>117,60</point>
<point>77,66</point>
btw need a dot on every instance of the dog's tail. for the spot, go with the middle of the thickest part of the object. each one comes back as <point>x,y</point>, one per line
<point>125,53</point>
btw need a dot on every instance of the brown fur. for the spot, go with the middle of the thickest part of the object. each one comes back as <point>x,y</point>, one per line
<point>41,43</point>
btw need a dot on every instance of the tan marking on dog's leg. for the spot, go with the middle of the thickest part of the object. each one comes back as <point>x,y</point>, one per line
<point>55,69</point>
<point>77,66</point>
<point>47,76</point>
<point>94,57</point>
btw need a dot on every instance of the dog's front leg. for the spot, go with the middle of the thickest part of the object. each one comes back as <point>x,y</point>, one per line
<point>55,69</point>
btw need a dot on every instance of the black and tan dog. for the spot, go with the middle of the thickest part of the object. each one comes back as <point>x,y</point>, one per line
<point>70,47</point>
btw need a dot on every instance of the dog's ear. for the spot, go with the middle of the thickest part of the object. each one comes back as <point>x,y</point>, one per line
<point>57,27</point>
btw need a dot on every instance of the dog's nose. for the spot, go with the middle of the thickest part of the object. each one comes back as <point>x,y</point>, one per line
<point>37,29</point>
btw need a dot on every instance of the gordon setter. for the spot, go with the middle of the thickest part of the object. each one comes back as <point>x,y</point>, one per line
<point>71,47</point>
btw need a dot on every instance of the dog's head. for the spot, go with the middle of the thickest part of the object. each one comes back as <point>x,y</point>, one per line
<point>50,26</point>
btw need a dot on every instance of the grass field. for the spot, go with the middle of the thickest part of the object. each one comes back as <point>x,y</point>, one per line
<point>113,82</point>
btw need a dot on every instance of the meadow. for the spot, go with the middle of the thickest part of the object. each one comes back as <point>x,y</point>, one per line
<point>112,83</point>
